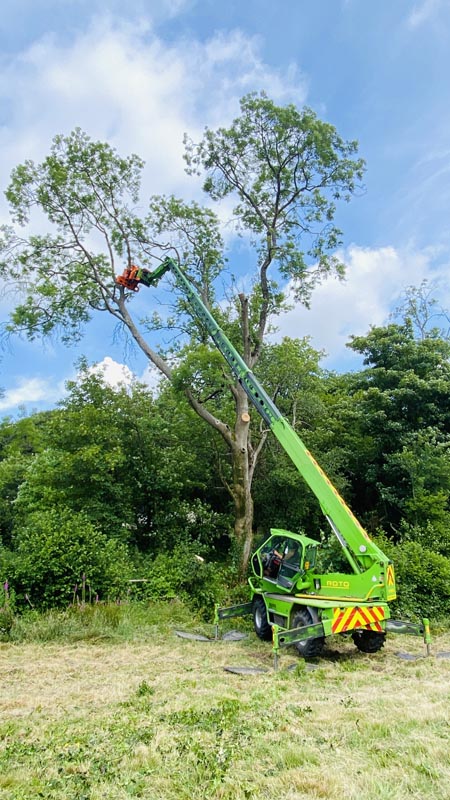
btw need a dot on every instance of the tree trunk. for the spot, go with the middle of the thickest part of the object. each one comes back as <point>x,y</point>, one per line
<point>242,458</point>
<point>243,507</point>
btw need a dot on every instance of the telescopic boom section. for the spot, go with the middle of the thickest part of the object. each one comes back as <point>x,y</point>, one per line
<point>359,549</point>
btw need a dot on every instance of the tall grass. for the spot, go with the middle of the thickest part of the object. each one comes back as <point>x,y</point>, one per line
<point>109,622</point>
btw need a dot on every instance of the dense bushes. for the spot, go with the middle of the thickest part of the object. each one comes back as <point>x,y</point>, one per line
<point>422,574</point>
<point>182,574</point>
<point>60,555</point>
<point>120,486</point>
<point>110,481</point>
<point>424,581</point>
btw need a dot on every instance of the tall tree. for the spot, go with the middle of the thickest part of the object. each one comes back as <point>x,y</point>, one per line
<point>286,169</point>
<point>392,420</point>
<point>422,310</point>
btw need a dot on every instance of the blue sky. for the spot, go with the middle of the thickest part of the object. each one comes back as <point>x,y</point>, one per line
<point>379,71</point>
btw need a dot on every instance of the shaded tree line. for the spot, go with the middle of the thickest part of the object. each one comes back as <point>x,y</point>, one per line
<point>119,485</point>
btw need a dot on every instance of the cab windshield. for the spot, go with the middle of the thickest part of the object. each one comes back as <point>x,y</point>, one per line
<point>281,554</point>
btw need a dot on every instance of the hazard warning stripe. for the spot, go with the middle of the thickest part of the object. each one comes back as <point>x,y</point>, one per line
<point>349,618</point>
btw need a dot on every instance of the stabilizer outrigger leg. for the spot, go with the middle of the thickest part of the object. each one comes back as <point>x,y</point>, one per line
<point>228,612</point>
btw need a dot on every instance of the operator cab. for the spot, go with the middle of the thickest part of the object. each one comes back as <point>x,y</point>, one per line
<point>284,558</point>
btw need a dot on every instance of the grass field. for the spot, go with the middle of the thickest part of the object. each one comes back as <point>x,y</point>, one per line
<point>155,716</point>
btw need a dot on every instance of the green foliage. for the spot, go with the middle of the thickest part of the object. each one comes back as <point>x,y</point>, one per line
<point>290,373</point>
<point>288,169</point>
<point>57,550</point>
<point>7,609</point>
<point>282,499</point>
<point>184,522</point>
<point>422,574</point>
<point>203,371</point>
<point>137,467</point>
<point>20,441</point>
<point>195,234</point>
<point>93,456</point>
<point>182,574</point>
<point>389,426</point>
<point>81,187</point>
<point>113,467</point>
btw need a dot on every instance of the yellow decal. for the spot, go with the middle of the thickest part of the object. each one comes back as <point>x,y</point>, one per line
<point>338,584</point>
<point>390,580</point>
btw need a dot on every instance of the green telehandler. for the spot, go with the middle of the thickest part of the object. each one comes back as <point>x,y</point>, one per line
<point>291,600</point>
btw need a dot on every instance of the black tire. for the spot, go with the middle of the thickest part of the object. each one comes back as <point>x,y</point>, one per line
<point>308,648</point>
<point>368,641</point>
<point>262,626</point>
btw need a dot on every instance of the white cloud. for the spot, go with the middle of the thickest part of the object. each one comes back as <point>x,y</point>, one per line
<point>121,83</point>
<point>151,377</point>
<point>118,375</point>
<point>375,281</point>
<point>41,392</point>
<point>114,374</point>
<point>423,12</point>
<point>29,391</point>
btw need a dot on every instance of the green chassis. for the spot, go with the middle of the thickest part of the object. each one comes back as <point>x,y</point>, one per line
<point>332,599</point>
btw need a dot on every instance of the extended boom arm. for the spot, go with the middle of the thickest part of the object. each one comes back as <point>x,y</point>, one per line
<point>359,549</point>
